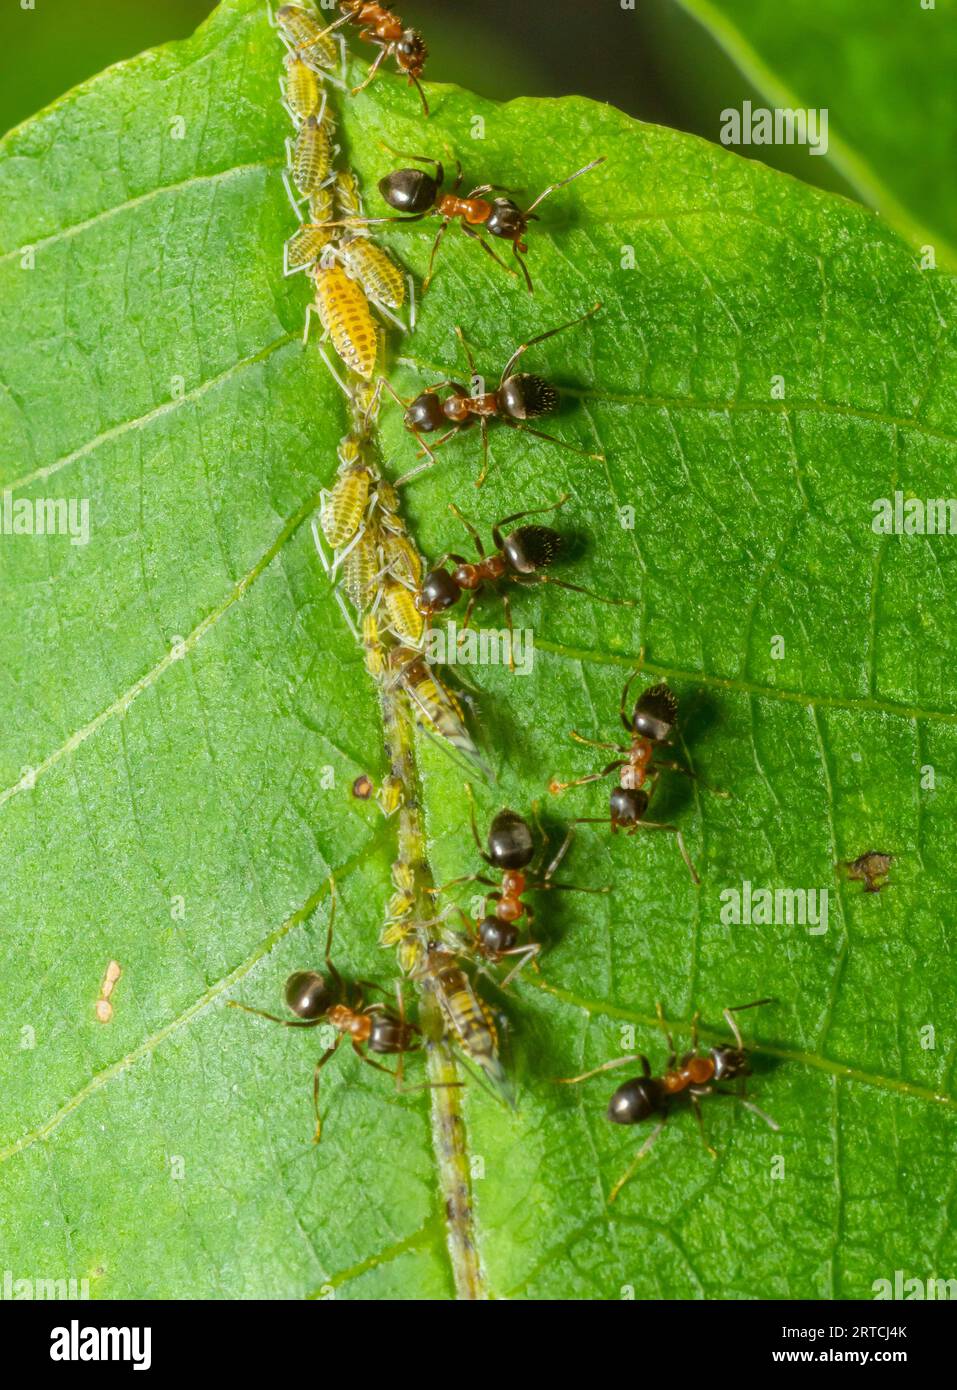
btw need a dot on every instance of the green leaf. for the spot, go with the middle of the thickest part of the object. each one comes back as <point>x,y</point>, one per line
<point>183,685</point>
<point>881,71</point>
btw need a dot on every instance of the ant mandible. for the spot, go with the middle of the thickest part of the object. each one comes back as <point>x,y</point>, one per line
<point>384,28</point>
<point>419,195</point>
<point>650,725</point>
<point>518,398</point>
<point>316,1000</point>
<point>519,558</point>
<point>696,1075</point>
<point>511,849</point>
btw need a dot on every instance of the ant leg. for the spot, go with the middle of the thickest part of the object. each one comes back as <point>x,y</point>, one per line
<point>553,187</point>
<point>624,694</point>
<point>435,246</point>
<point>476,538</point>
<point>455,882</point>
<point>370,75</point>
<point>596,743</point>
<point>471,232</point>
<point>524,268</point>
<point>629,1171</point>
<point>474,824</point>
<point>469,608</point>
<point>694,1030</point>
<point>605,1066</point>
<point>732,1023</point>
<point>555,786</point>
<point>562,443</point>
<point>531,580</point>
<point>315,1085</point>
<point>696,1107</point>
<point>687,772</point>
<point>517,516</point>
<point>414,82</point>
<point>507,610</point>
<point>483,426</point>
<point>528,952</point>
<point>673,829</point>
<point>540,338</point>
<point>336,977</point>
<point>273,1018</point>
<point>672,1054</point>
<point>562,851</point>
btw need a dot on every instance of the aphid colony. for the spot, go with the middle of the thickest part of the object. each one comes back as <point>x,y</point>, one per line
<point>388,599</point>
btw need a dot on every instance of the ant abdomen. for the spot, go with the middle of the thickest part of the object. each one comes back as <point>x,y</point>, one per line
<point>391,1035</point>
<point>655,713</point>
<point>410,190</point>
<point>531,548</point>
<point>510,844</point>
<point>307,994</point>
<point>524,397</point>
<point>635,1101</point>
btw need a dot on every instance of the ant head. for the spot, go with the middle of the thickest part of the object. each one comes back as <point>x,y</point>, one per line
<point>655,713</point>
<point>627,805</point>
<point>506,220</point>
<point>531,548</point>
<point>411,52</point>
<point>307,994</point>
<point>510,844</point>
<point>439,591</point>
<point>424,413</point>
<point>729,1062</point>
<point>410,190</point>
<point>524,396</point>
<point>497,936</point>
<point>635,1101</point>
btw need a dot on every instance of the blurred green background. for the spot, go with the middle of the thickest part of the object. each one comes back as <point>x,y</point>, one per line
<point>879,65</point>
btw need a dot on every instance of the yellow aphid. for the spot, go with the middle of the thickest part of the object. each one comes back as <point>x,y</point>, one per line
<point>373,649</point>
<point>343,505</point>
<point>388,497</point>
<point>304,33</point>
<point>301,89</point>
<point>360,569</point>
<point>348,198</point>
<point>467,1018</point>
<point>305,246</point>
<point>349,451</point>
<point>345,316</point>
<point>312,155</point>
<point>405,619</point>
<point>400,557</point>
<point>376,272</point>
<point>390,795</point>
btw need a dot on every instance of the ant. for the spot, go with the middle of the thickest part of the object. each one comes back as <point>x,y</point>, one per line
<point>519,397</point>
<point>316,1000</point>
<point>511,849</point>
<point>418,194</point>
<point>696,1074</point>
<point>384,28</point>
<point>650,726</point>
<point>519,558</point>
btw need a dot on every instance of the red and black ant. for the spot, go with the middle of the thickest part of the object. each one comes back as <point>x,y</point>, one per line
<point>650,725</point>
<point>418,194</point>
<point>695,1075</point>
<point>379,25</point>
<point>519,558</point>
<point>511,849</point>
<point>519,397</point>
<point>317,1000</point>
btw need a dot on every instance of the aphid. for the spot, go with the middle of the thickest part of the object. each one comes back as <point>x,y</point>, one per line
<point>373,651</point>
<point>399,555</point>
<point>384,29</point>
<point>345,317</point>
<point>418,194</point>
<point>341,508</point>
<point>302,32</point>
<point>348,197</point>
<point>300,89</point>
<point>439,710</point>
<point>511,849</point>
<point>650,727</point>
<point>375,270</point>
<point>405,620</point>
<point>307,243</point>
<point>360,569</point>
<point>871,869</point>
<point>104,1009</point>
<point>309,158</point>
<point>519,397</point>
<point>316,999</point>
<point>695,1075</point>
<point>466,1017</point>
<point>390,795</point>
<point>519,558</point>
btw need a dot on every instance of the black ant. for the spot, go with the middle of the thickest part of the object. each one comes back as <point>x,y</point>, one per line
<point>519,558</point>
<point>650,725</point>
<point>511,849</point>
<point>418,194</point>
<point>385,29</point>
<point>316,1000</point>
<point>518,398</point>
<point>696,1074</point>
